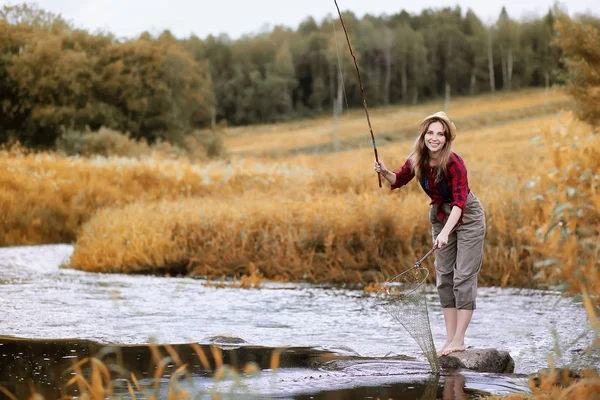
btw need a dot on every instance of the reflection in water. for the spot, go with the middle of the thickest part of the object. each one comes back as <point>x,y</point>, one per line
<point>424,390</point>
<point>46,366</point>
<point>431,388</point>
<point>454,387</point>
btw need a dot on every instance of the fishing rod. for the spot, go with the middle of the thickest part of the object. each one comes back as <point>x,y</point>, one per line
<point>362,91</point>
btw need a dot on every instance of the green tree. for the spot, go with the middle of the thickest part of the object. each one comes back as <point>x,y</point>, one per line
<point>53,86</point>
<point>32,16</point>
<point>153,88</point>
<point>404,39</point>
<point>281,76</point>
<point>420,67</point>
<point>508,42</point>
<point>476,51</point>
<point>580,43</point>
<point>12,41</point>
<point>218,52</point>
<point>317,58</point>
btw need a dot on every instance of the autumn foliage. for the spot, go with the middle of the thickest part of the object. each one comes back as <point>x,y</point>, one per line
<point>580,43</point>
<point>55,77</point>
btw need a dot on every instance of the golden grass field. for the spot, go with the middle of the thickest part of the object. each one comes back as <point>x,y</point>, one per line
<point>269,211</point>
<point>319,217</point>
<point>393,122</point>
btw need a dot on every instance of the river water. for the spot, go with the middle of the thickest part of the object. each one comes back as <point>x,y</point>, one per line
<point>39,299</point>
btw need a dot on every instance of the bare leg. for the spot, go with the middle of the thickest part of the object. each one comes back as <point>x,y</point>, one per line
<point>458,341</point>
<point>450,318</point>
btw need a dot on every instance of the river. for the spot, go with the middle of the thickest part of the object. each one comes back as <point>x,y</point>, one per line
<point>375,357</point>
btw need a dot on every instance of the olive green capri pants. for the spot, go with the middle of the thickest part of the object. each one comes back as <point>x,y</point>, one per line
<point>458,263</point>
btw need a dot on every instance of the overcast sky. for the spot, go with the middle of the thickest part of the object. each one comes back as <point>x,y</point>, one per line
<point>129,18</point>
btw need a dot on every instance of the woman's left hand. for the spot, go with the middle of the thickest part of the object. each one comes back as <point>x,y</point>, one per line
<point>441,240</point>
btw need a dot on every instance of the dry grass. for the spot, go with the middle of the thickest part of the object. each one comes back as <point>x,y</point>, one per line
<point>559,384</point>
<point>328,221</point>
<point>311,217</point>
<point>393,122</point>
<point>46,197</point>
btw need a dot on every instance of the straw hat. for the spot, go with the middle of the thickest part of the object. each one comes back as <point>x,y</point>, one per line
<point>439,115</point>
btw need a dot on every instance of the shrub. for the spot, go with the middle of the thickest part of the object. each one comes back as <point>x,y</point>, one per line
<point>580,43</point>
<point>105,142</point>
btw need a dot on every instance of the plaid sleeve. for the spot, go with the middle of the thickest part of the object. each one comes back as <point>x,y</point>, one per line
<point>458,182</point>
<point>403,176</point>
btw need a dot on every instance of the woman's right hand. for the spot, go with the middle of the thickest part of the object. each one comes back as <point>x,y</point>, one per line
<point>379,167</point>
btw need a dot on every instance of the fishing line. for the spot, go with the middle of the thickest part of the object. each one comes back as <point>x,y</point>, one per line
<point>337,52</point>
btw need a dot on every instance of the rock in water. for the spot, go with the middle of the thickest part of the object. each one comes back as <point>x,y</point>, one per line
<point>482,360</point>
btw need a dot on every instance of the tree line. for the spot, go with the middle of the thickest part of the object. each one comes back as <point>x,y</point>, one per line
<point>54,76</point>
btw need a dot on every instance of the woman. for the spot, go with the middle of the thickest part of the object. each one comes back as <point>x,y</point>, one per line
<point>459,253</point>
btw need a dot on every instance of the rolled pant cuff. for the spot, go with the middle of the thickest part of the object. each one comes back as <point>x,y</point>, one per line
<point>466,306</point>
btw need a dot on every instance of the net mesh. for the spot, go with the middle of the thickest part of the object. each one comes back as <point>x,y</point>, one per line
<point>404,298</point>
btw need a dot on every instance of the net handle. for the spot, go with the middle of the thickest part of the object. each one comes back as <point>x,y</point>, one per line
<point>418,263</point>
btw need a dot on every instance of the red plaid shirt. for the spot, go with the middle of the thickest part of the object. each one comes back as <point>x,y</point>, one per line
<point>453,188</point>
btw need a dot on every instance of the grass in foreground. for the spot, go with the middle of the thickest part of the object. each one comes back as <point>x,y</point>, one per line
<point>98,378</point>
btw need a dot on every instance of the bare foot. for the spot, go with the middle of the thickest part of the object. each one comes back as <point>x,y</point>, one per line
<point>440,352</point>
<point>453,347</point>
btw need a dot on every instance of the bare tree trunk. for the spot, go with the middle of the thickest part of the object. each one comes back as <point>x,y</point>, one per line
<point>432,77</point>
<point>388,38</point>
<point>504,70</point>
<point>491,63</point>
<point>337,111</point>
<point>547,91</point>
<point>377,83</point>
<point>449,53</point>
<point>332,79</point>
<point>340,93</point>
<point>387,80</point>
<point>404,69</point>
<point>415,98</point>
<point>213,118</point>
<point>447,102</point>
<point>473,81</point>
<point>289,100</point>
<point>509,68</point>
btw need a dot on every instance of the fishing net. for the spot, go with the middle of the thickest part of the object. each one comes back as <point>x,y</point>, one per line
<point>404,298</point>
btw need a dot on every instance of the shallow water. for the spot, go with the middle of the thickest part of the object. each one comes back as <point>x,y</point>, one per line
<point>40,300</point>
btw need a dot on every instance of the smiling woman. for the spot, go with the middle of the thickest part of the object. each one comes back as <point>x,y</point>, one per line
<point>457,218</point>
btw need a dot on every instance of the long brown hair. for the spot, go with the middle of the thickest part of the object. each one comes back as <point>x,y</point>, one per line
<point>419,155</point>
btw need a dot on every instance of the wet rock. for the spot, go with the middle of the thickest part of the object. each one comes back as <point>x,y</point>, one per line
<point>226,340</point>
<point>482,360</point>
<point>341,350</point>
